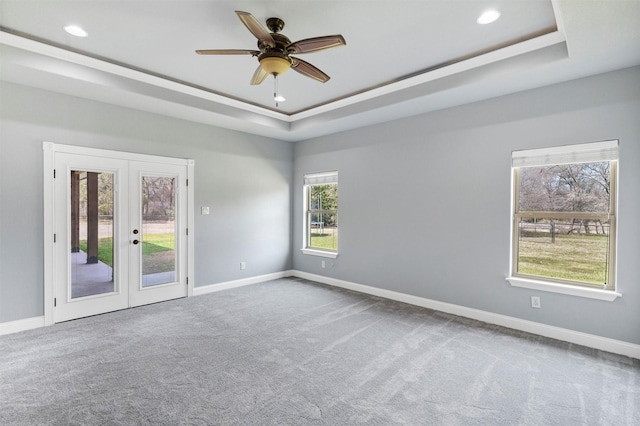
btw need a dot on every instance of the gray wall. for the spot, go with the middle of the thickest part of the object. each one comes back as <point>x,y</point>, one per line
<point>244,179</point>
<point>425,201</point>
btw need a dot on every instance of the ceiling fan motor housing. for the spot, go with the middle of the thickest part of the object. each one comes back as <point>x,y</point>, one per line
<point>281,43</point>
<point>275,60</point>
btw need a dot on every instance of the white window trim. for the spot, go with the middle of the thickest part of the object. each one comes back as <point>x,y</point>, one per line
<point>315,179</point>
<point>589,152</point>
<point>573,290</point>
<point>321,253</point>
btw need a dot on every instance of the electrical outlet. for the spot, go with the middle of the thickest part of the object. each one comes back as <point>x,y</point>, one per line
<point>204,210</point>
<point>535,302</point>
<point>243,266</point>
<point>324,265</point>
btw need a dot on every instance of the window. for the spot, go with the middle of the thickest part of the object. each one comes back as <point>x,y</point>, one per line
<point>564,215</point>
<point>321,214</point>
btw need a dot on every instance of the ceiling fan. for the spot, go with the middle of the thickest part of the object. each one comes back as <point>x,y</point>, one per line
<point>275,50</point>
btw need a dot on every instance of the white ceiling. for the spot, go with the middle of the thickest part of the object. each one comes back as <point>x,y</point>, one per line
<point>402,57</point>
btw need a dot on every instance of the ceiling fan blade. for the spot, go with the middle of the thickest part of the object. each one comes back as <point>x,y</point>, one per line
<point>228,52</point>
<point>256,28</point>
<point>306,69</point>
<point>258,76</point>
<point>316,43</point>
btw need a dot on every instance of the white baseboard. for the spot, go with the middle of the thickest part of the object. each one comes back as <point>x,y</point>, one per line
<point>584,339</point>
<point>36,322</point>
<point>597,342</point>
<point>211,288</point>
<point>21,325</point>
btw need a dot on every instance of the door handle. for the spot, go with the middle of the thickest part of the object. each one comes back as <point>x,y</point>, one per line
<point>135,242</point>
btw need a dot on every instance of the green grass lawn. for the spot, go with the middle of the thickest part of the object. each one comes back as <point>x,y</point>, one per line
<point>105,250</point>
<point>158,253</point>
<point>326,240</point>
<point>152,244</point>
<point>570,257</point>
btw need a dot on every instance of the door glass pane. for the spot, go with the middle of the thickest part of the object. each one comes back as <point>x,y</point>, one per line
<point>92,199</point>
<point>158,230</point>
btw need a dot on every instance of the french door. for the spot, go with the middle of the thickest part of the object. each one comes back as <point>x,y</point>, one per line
<point>120,233</point>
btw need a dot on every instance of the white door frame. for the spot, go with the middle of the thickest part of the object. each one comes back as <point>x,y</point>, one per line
<point>49,150</point>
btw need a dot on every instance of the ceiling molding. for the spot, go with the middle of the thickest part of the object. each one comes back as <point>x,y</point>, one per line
<point>184,101</point>
<point>402,71</point>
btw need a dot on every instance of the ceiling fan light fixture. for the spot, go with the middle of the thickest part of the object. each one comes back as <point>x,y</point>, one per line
<point>488,17</point>
<point>275,65</point>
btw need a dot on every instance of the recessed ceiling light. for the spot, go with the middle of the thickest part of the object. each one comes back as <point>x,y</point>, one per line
<point>488,17</point>
<point>76,31</point>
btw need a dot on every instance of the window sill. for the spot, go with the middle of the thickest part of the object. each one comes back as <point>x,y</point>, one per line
<point>592,293</point>
<point>321,253</point>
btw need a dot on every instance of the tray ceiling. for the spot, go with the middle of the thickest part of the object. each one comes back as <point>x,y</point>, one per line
<point>401,57</point>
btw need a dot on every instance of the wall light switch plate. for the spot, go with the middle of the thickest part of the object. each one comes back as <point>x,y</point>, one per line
<point>204,210</point>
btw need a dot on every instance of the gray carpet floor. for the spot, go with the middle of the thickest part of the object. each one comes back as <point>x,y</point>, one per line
<point>291,352</point>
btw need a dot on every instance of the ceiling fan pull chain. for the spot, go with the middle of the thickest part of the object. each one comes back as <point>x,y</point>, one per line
<point>275,89</point>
